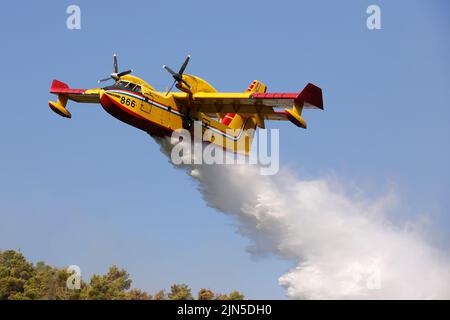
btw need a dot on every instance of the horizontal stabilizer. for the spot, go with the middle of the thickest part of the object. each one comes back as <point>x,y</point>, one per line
<point>59,109</point>
<point>79,95</point>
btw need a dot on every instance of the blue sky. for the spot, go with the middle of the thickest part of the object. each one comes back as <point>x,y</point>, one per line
<point>93,191</point>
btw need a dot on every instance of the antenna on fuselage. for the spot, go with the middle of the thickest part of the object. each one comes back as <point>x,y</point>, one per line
<point>116,74</point>
<point>178,76</point>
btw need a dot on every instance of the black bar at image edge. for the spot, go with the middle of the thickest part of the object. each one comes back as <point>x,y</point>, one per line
<point>247,309</point>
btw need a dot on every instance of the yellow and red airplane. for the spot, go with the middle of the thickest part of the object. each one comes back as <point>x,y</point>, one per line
<point>228,116</point>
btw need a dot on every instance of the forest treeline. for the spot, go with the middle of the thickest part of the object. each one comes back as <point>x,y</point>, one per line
<point>21,279</point>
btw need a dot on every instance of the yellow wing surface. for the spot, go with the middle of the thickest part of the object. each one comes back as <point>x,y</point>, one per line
<point>261,105</point>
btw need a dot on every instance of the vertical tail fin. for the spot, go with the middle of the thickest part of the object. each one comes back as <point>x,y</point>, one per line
<point>244,127</point>
<point>256,86</point>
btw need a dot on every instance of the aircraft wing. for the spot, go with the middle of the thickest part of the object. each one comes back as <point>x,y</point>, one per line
<point>263,105</point>
<point>78,95</point>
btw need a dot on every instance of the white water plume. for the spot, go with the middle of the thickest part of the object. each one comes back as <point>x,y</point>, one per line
<point>343,246</point>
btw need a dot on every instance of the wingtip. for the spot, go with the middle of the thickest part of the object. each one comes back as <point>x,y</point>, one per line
<point>312,95</point>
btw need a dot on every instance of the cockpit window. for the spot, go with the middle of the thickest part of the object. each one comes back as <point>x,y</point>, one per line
<point>128,85</point>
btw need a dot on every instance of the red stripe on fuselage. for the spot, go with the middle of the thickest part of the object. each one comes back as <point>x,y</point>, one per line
<point>132,118</point>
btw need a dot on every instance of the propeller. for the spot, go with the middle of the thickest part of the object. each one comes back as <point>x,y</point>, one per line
<point>116,74</point>
<point>178,76</point>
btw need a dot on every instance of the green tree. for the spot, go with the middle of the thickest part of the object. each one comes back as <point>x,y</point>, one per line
<point>205,294</point>
<point>180,292</point>
<point>136,294</point>
<point>47,283</point>
<point>15,271</point>
<point>220,296</point>
<point>111,286</point>
<point>235,295</point>
<point>20,279</point>
<point>160,295</point>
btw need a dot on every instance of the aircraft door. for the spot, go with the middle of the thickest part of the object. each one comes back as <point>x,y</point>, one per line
<point>146,106</point>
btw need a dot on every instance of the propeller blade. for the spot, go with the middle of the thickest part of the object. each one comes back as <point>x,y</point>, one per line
<point>115,66</point>
<point>123,73</point>
<point>171,87</point>
<point>103,80</point>
<point>173,73</point>
<point>116,74</point>
<point>183,67</point>
<point>178,76</point>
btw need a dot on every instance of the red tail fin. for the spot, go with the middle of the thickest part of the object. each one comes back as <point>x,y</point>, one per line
<point>311,95</point>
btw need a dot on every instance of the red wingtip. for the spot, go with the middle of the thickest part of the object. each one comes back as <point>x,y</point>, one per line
<point>56,84</point>
<point>59,87</point>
